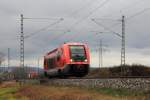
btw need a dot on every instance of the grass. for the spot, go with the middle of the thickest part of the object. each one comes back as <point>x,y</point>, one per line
<point>40,92</point>
<point>117,92</point>
<point>111,91</point>
<point>7,93</point>
<point>56,92</point>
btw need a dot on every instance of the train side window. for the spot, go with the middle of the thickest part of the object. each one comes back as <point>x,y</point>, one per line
<point>58,57</point>
<point>48,62</point>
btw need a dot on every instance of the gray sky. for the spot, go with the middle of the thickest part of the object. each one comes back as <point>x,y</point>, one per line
<point>77,15</point>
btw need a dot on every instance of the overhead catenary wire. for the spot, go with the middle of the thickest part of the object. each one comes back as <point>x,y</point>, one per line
<point>106,19</point>
<point>91,13</point>
<point>58,36</point>
<point>138,13</point>
<point>74,24</point>
<point>107,28</point>
<point>44,28</point>
<point>130,17</point>
<point>73,13</point>
<point>133,4</point>
<point>87,16</point>
<point>81,20</point>
<point>83,7</point>
<point>114,25</point>
<point>33,18</point>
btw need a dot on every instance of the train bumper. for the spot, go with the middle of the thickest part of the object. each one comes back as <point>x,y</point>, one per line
<point>76,69</point>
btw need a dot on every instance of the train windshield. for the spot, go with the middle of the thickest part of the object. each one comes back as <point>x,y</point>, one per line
<point>77,53</point>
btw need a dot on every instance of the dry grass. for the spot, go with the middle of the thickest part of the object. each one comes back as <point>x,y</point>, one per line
<point>60,93</point>
<point>8,84</point>
<point>11,91</point>
<point>38,92</point>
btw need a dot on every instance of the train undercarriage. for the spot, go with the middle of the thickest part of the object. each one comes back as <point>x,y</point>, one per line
<point>75,70</point>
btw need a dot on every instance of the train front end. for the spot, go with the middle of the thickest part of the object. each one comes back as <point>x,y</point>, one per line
<point>78,61</point>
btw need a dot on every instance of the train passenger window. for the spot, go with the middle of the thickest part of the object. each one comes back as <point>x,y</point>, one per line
<point>50,62</point>
<point>58,57</point>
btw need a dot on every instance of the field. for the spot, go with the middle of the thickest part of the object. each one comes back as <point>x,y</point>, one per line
<point>13,91</point>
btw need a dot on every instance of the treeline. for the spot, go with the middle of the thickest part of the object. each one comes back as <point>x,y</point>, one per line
<point>120,71</point>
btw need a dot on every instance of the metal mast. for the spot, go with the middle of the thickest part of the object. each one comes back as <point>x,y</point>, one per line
<point>123,42</point>
<point>123,46</point>
<point>100,54</point>
<point>8,58</point>
<point>22,44</point>
<point>38,67</point>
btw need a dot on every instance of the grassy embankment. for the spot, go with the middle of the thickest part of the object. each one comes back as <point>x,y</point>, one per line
<point>8,91</point>
<point>43,92</point>
<point>115,71</point>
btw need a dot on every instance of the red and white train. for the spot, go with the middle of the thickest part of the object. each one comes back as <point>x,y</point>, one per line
<point>70,59</point>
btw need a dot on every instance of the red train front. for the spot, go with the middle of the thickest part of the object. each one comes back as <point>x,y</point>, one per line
<point>70,59</point>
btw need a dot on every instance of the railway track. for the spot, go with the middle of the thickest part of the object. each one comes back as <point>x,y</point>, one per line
<point>121,77</point>
<point>86,78</point>
<point>133,83</point>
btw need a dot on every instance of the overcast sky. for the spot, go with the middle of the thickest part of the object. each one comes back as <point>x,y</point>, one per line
<point>77,26</point>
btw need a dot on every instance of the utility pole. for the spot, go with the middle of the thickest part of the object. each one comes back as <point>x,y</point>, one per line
<point>22,47</point>
<point>100,54</point>
<point>8,58</point>
<point>22,44</point>
<point>38,67</point>
<point>123,70</point>
<point>122,36</point>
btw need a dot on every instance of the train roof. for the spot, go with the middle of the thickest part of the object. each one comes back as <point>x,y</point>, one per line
<point>51,51</point>
<point>66,43</point>
<point>74,43</point>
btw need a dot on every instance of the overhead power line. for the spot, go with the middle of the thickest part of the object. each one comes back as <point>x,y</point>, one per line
<point>83,7</point>
<point>138,13</point>
<point>105,19</point>
<point>133,4</point>
<point>84,18</point>
<point>116,24</point>
<point>91,13</point>
<point>107,28</point>
<point>41,18</point>
<point>59,35</point>
<point>44,28</point>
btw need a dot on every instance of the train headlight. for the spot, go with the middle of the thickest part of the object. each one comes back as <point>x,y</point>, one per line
<point>85,60</point>
<point>71,60</point>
